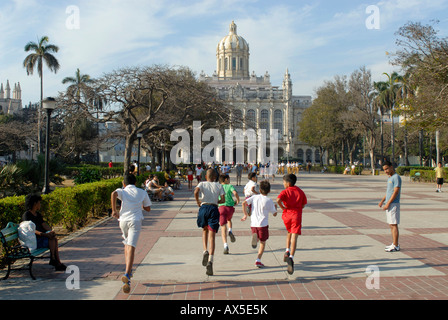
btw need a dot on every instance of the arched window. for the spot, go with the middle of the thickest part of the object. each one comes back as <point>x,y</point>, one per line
<point>264,120</point>
<point>309,154</point>
<point>278,123</point>
<point>317,155</point>
<point>300,155</point>
<point>250,119</point>
<point>237,118</point>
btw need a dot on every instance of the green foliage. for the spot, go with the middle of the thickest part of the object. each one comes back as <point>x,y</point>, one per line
<point>87,175</point>
<point>426,175</point>
<point>405,170</point>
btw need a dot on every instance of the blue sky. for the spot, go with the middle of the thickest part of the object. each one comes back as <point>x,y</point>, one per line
<point>315,40</point>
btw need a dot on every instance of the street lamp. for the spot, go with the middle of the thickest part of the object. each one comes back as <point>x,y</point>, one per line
<point>163,155</point>
<point>139,137</point>
<point>49,104</point>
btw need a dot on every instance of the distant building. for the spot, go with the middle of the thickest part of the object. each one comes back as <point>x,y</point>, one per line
<point>10,100</point>
<point>256,101</point>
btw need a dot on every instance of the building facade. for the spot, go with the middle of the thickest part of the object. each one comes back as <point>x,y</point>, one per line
<point>10,100</point>
<point>258,103</point>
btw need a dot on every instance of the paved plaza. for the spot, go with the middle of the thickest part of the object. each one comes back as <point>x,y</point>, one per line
<point>343,238</point>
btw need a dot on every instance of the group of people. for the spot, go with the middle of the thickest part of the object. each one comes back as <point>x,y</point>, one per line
<point>216,203</point>
<point>216,208</point>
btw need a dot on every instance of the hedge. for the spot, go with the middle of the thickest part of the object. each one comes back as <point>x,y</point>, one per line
<point>71,207</point>
<point>427,175</point>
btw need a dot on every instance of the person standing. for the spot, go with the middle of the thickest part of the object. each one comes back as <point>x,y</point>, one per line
<point>208,195</point>
<point>133,201</point>
<point>440,174</point>
<point>391,202</point>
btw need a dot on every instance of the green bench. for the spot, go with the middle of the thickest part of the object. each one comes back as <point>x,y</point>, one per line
<point>13,250</point>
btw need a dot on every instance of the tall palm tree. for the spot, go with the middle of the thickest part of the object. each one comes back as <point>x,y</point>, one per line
<point>41,52</point>
<point>388,96</point>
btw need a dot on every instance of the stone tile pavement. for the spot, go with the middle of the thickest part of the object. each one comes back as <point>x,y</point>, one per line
<point>342,243</point>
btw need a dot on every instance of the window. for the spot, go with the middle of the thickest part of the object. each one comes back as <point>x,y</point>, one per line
<point>300,155</point>
<point>237,117</point>
<point>264,120</point>
<point>250,119</point>
<point>226,63</point>
<point>233,63</point>
<point>278,123</point>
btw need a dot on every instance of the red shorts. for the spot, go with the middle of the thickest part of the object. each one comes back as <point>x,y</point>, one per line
<point>293,222</point>
<point>190,177</point>
<point>262,232</point>
<point>225,214</point>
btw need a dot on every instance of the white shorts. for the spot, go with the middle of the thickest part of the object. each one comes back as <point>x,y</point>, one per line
<point>393,214</point>
<point>131,232</point>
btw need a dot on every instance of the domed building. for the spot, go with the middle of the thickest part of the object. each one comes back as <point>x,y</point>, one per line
<point>257,104</point>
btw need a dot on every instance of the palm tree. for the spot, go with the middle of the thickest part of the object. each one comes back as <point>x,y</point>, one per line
<point>78,83</point>
<point>387,97</point>
<point>41,52</point>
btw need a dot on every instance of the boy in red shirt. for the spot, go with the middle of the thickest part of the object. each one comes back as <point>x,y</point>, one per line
<point>291,200</point>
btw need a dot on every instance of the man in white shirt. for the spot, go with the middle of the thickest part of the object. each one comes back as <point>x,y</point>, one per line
<point>133,201</point>
<point>208,195</point>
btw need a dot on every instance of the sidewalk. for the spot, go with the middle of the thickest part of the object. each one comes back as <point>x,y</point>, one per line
<point>344,233</point>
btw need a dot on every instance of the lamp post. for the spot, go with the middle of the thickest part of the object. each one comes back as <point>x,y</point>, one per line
<point>139,137</point>
<point>49,104</point>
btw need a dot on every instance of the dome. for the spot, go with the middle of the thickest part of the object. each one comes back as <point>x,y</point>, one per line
<point>233,40</point>
<point>232,56</point>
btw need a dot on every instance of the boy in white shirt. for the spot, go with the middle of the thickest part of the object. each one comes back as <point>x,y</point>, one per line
<point>208,195</point>
<point>261,207</point>
<point>250,188</point>
<point>133,201</point>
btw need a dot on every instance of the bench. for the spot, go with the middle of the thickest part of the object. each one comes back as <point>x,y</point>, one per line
<point>13,250</point>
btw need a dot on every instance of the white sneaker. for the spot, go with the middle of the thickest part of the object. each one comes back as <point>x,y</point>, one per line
<point>392,248</point>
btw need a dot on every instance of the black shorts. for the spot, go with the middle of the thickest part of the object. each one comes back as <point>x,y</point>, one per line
<point>440,181</point>
<point>208,216</point>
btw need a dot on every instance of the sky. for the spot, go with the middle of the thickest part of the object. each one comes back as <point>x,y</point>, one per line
<point>314,40</point>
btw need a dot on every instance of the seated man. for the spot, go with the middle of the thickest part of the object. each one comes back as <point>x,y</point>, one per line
<point>170,180</point>
<point>46,238</point>
<point>153,186</point>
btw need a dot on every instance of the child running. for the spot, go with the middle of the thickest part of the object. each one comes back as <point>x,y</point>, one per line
<point>261,207</point>
<point>226,210</point>
<point>133,201</point>
<point>291,200</point>
<point>208,195</point>
<point>250,188</point>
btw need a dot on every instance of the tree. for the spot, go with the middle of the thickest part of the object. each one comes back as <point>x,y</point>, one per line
<point>364,109</point>
<point>387,97</point>
<point>322,124</point>
<point>41,53</point>
<point>424,56</point>
<point>78,83</point>
<point>148,99</point>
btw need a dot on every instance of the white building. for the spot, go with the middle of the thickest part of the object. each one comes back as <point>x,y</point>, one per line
<point>256,101</point>
<point>10,100</point>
